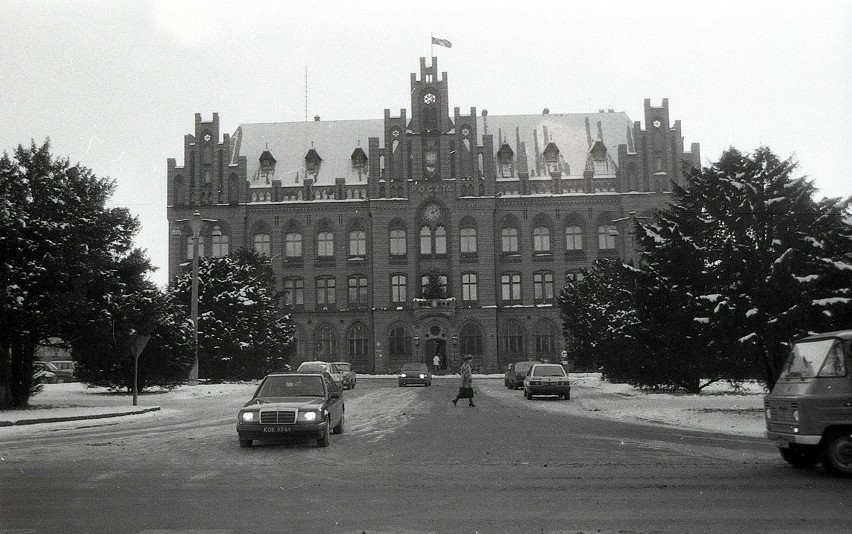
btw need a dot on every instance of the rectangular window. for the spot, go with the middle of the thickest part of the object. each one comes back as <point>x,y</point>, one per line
<point>509,240</point>
<point>399,289</point>
<point>543,287</point>
<point>326,288</point>
<point>262,244</point>
<point>469,289</point>
<point>541,240</point>
<point>357,291</point>
<point>189,247</point>
<point>294,292</point>
<point>219,246</point>
<point>510,284</point>
<point>606,237</point>
<point>425,241</point>
<point>467,241</point>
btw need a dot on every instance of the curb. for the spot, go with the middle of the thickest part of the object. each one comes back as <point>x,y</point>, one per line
<point>36,421</point>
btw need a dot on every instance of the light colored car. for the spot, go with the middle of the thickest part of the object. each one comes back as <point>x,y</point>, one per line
<point>45,373</point>
<point>317,366</point>
<point>349,376</point>
<point>547,379</point>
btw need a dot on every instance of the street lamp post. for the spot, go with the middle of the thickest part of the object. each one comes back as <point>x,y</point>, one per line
<point>196,223</point>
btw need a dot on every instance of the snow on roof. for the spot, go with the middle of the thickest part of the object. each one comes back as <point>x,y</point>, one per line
<point>335,141</point>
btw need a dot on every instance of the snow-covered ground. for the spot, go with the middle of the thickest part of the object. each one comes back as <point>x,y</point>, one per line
<point>718,409</point>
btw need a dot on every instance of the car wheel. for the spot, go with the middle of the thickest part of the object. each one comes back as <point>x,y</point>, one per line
<point>528,395</point>
<point>568,396</point>
<point>837,453</point>
<point>245,443</point>
<point>323,440</point>
<point>801,457</point>
<point>339,428</point>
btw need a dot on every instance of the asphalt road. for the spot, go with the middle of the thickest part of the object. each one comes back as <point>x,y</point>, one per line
<point>409,461</point>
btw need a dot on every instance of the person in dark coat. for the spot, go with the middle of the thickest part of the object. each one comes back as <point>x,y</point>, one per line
<point>466,389</point>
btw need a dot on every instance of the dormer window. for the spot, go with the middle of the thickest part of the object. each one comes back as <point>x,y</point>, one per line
<point>313,161</point>
<point>267,166</point>
<point>551,157</point>
<point>359,158</point>
<point>504,158</point>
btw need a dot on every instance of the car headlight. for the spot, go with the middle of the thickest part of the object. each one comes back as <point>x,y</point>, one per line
<point>249,416</point>
<point>768,413</point>
<point>422,375</point>
<point>796,415</point>
<point>402,375</point>
<point>309,416</point>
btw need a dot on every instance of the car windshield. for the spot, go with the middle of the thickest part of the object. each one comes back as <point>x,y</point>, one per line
<point>312,367</point>
<point>523,367</point>
<point>808,359</point>
<point>342,367</point>
<point>291,386</point>
<point>413,367</point>
<point>548,370</point>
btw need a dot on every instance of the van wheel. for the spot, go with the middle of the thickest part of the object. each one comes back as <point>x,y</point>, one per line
<point>801,457</point>
<point>837,453</point>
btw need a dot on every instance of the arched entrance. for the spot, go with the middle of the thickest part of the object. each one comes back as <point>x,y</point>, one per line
<point>435,347</point>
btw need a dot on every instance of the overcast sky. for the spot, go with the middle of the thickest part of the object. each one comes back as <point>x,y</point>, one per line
<point>116,85</point>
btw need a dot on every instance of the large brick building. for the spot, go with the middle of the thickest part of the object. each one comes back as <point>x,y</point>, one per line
<point>355,216</point>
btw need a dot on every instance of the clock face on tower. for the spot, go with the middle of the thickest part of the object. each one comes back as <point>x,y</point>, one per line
<point>432,212</point>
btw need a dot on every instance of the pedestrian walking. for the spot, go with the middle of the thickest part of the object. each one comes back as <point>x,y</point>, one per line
<point>466,389</point>
<point>436,363</point>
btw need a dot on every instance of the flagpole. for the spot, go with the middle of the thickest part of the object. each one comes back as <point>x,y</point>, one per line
<point>431,46</point>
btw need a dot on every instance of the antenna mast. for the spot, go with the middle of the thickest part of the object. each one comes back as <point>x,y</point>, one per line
<point>306,93</point>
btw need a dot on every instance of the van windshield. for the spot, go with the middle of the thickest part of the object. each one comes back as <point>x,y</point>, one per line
<point>809,359</point>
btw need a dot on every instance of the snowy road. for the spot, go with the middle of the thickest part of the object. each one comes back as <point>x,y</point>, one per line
<point>409,461</point>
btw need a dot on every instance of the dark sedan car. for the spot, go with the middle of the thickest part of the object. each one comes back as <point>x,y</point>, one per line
<point>415,373</point>
<point>292,405</point>
<point>515,374</point>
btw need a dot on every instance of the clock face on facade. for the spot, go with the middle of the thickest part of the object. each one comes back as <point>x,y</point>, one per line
<point>207,137</point>
<point>657,123</point>
<point>432,212</point>
<point>429,98</point>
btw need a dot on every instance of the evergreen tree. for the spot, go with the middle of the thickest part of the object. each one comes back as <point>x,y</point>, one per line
<point>242,331</point>
<point>59,245</point>
<point>760,261</point>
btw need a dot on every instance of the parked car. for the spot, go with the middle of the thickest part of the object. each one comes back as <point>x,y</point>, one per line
<point>516,372</point>
<point>547,379</point>
<point>809,410</point>
<point>349,376</point>
<point>317,366</point>
<point>292,405</point>
<point>65,370</point>
<point>415,373</point>
<point>45,373</point>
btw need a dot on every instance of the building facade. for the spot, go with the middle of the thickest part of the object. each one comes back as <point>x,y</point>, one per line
<point>357,217</point>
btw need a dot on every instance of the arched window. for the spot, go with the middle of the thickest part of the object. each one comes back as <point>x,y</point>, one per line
<point>358,346</point>
<point>399,342</point>
<point>606,236</point>
<point>467,240</point>
<point>545,341</point>
<point>189,246</point>
<point>357,244</point>
<point>470,339</point>
<point>325,245</point>
<point>573,238</point>
<point>513,340</point>
<point>425,241</point>
<point>293,245</point>
<point>398,243</point>
<point>541,239</point>
<point>509,240</point>
<point>441,240</point>
<point>326,343</point>
<point>263,244</point>
<point>219,245</point>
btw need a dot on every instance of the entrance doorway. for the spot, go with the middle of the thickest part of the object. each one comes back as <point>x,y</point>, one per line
<point>436,347</point>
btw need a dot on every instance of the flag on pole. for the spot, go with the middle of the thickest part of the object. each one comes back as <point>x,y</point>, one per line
<point>441,42</point>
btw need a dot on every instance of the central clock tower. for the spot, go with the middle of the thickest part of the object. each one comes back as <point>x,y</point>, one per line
<point>430,126</point>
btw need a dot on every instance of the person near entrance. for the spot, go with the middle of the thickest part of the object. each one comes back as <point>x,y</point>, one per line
<point>436,363</point>
<point>466,389</point>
